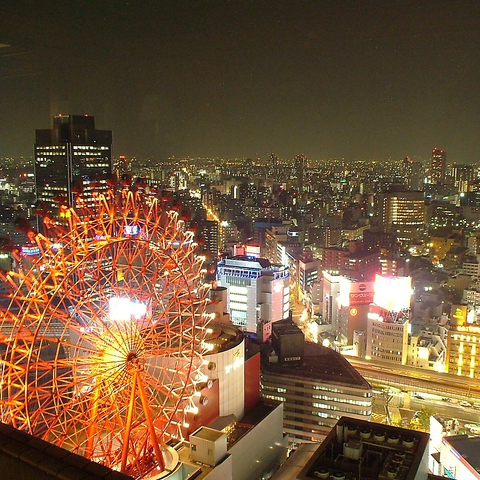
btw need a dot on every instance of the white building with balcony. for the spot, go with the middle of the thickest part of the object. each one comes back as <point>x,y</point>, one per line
<point>258,291</point>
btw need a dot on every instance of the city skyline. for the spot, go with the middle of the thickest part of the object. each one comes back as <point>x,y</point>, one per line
<point>356,79</point>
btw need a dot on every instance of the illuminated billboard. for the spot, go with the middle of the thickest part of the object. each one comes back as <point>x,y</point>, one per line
<point>459,314</point>
<point>131,230</point>
<point>30,250</point>
<point>392,293</point>
<point>361,293</point>
<point>355,293</point>
<point>344,297</point>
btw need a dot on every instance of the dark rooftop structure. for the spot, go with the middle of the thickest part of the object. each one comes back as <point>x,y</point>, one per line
<point>316,392</point>
<point>468,448</point>
<point>360,450</point>
<point>222,336</point>
<point>25,457</point>
<point>322,363</point>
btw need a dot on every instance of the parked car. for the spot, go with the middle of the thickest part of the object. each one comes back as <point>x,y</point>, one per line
<point>464,403</point>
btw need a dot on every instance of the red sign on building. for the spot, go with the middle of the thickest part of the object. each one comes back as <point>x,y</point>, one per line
<point>361,298</point>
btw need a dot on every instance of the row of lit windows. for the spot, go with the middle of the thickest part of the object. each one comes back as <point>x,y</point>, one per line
<point>88,155</point>
<point>467,338</point>
<point>328,398</point>
<point>380,327</point>
<point>388,339</point>
<point>386,357</point>
<point>236,281</point>
<point>90,147</point>
<point>343,410</point>
<point>98,165</point>
<point>237,298</point>
<point>273,397</point>
<point>50,154</point>
<point>344,400</point>
<point>384,350</point>
<point>238,306</point>
<point>325,406</point>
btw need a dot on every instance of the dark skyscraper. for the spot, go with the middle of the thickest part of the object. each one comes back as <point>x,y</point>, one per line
<point>438,165</point>
<point>71,158</point>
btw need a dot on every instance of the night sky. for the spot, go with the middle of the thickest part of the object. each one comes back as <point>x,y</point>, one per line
<point>328,78</point>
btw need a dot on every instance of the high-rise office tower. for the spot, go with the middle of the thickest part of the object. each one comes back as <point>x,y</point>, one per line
<point>71,158</point>
<point>210,232</point>
<point>414,173</point>
<point>438,164</point>
<point>463,176</point>
<point>403,213</point>
<point>417,179</point>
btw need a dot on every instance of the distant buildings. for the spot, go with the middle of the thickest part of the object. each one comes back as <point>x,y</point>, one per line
<point>280,240</point>
<point>372,318</point>
<point>463,177</point>
<point>209,232</point>
<point>354,262</point>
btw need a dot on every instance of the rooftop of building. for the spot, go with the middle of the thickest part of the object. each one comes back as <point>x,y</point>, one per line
<point>296,462</point>
<point>321,363</point>
<point>29,457</point>
<point>247,261</point>
<point>237,428</point>
<point>359,254</point>
<point>286,327</point>
<point>255,264</point>
<point>268,222</point>
<point>223,336</point>
<point>32,458</point>
<point>468,448</point>
<point>371,451</point>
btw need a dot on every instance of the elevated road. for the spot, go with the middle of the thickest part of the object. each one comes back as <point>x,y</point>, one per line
<point>413,379</point>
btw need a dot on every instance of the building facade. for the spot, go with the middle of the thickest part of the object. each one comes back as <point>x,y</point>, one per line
<point>71,158</point>
<point>404,214</point>
<point>317,393</point>
<point>463,346</point>
<point>387,340</point>
<point>438,165</point>
<point>258,291</point>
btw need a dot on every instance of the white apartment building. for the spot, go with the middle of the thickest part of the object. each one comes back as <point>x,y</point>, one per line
<point>387,338</point>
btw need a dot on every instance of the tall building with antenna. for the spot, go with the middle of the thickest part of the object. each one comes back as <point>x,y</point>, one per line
<point>301,165</point>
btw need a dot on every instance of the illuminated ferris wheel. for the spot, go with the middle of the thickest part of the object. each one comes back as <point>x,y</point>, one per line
<point>102,333</point>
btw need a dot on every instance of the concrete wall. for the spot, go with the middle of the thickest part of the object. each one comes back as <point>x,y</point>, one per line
<point>261,446</point>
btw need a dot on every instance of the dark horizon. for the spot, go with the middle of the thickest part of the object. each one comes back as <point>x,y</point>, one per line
<point>352,79</point>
